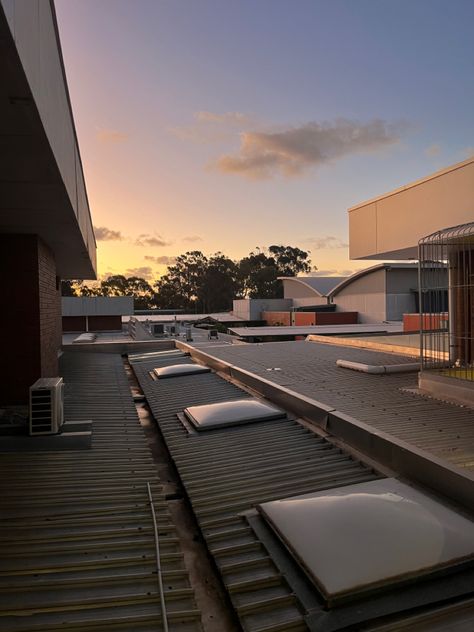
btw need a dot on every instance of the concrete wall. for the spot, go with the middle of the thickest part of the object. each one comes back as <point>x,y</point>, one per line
<point>29,318</point>
<point>251,308</point>
<point>366,295</point>
<point>97,305</point>
<point>389,227</point>
<point>296,289</point>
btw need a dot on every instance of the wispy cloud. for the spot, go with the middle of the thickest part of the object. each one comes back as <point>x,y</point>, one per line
<point>433,150</point>
<point>333,272</point>
<point>110,136</point>
<point>164,260</point>
<point>292,151</point>
<point>192,238</point>
<point>211,127</point>
<point>144,272</point>
<point>330,242</point>
<point>153,241</point>
<point>468,153</point>
<point>102,233</point>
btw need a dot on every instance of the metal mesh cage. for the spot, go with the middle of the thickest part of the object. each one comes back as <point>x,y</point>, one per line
<point>447,301</point>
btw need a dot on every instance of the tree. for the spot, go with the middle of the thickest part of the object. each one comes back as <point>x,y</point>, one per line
<point>290,261</point>
<point>258,274</point>
<point>260,270</point>
<point>179,287</point>
<point>220,284</point>
<point>68,289</point>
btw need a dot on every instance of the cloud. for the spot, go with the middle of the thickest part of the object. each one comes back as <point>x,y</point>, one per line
<point>292,151</point>
<point>326,243</point>
<point>144,272</point>
<point>433,150</point>
<point>153,241</point>
<point>102,233</point>
<point>211,127</point>
<point>164,260</point>
<point>110,136</point>
<point>192,238</point>
<point>468,153</point>
<point>333,272</point>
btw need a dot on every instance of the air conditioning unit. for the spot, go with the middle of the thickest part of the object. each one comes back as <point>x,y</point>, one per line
<point>46,406</point>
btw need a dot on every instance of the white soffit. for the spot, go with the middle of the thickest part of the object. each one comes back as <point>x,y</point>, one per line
<point>240,411</point>
<point>369,535</point>
<point>178,370</point>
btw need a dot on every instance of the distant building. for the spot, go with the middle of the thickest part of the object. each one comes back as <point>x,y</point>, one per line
<point>95,313</point>
<point>46,230</point>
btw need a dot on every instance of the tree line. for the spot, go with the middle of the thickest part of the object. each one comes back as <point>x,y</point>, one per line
<point>201,284</point>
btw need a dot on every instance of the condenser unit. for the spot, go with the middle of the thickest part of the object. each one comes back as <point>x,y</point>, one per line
<point>46,406</point>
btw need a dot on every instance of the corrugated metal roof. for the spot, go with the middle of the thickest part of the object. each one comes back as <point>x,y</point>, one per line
<point>443,429</point>
<point>77,543</point>
<point>228,471</point>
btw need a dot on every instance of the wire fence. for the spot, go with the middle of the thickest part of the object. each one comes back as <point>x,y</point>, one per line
<point>446,288</point>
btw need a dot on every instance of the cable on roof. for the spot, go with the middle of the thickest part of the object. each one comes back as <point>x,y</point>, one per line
<point>158,562</point>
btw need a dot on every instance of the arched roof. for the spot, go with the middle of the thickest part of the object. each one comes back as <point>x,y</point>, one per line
<point>366,271</point>
<point>319,286</point>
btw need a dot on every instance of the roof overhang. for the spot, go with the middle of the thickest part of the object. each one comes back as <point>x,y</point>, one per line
<point>42,183</point>
<point>390,226</point>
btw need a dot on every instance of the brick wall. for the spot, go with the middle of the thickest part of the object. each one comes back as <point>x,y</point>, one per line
<point>29,316</point>
<point>276,318</point>
<point>411,322</point>
<point>49,311</point>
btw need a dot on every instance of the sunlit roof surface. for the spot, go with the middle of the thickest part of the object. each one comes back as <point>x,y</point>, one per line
<point>222,414</point>
<point>177,370</point>
<point>365,536</point>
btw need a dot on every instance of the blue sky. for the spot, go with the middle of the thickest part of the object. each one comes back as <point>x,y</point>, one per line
<point>223,125</point>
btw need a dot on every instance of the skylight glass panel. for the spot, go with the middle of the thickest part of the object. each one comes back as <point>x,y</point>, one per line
<point>178,370</point>
<point>361,537</point>
<point>240,411</point>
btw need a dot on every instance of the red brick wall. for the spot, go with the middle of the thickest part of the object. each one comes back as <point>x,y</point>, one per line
<point>276,318</point>
<point>49,311</point>
<point>29,315</point>
<point>411,322</point>
<point>336,318</point>
<point>304,319</point>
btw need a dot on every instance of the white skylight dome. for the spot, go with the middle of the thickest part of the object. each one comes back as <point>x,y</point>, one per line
<point>178,370</point>
<point>366,536</point>
<point>232,413</point>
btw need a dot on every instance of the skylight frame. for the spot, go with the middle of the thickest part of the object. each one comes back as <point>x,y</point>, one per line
<point>218,408</point>
<point>384,586</point>
<point>179,370</point>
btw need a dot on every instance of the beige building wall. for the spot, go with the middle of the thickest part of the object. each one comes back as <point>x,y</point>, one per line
<point>365,295</point>
<point>390,226</point>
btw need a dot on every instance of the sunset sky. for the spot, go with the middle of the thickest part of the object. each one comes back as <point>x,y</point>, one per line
<point>230,124</point>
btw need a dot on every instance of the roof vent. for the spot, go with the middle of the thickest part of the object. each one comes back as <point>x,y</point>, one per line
<point>178,370</point>
<point>223,414</point>
<point>357,538</point>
